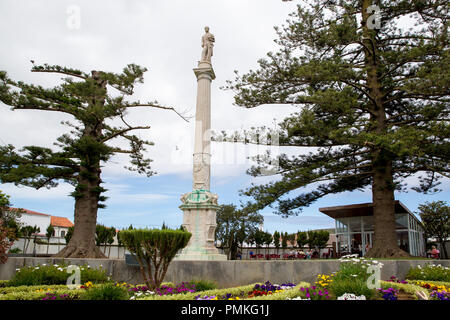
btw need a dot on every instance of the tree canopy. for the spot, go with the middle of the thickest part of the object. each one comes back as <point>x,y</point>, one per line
<point>435,217</point>
<point>373,105</point>
<point>79,154</point>
<point>235,226</point>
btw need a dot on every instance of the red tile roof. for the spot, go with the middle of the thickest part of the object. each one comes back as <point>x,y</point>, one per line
<point>61,222</point>
<point>28,211</point>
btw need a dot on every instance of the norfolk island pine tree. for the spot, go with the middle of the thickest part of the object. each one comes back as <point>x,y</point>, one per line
<point>373,101</point>
<point>85,149</point>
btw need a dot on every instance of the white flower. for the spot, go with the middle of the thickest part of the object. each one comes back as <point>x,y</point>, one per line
<point>17,269</point>
<point>297,298</point>
<point>351,296</point>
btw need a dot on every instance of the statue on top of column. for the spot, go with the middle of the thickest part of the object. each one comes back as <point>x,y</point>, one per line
<point>207,45</point>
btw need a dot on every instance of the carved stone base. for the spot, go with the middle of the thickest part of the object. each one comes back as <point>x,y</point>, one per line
<point>199,218</point>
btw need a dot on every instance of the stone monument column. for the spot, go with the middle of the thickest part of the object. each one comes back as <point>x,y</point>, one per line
<point>200,206</point>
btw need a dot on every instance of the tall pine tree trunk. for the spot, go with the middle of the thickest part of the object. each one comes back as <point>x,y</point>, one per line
<point>385,237</point>
<point>82,244</point>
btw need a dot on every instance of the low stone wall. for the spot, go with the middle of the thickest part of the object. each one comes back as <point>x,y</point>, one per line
<point>225,273</point>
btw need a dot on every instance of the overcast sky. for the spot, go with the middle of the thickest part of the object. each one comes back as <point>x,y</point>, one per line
<point>163,36</point>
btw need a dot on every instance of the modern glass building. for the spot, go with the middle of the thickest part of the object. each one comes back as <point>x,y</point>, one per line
<point>355,228</point>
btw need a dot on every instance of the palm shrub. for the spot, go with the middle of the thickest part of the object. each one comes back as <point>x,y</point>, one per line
<point>154,250</point>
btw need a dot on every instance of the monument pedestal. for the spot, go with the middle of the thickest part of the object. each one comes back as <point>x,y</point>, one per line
<point>199,218</point>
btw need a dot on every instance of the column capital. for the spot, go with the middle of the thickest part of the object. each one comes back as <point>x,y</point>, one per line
<point>204,71</point>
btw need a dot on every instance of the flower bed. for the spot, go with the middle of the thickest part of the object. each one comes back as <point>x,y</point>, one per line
<point>54,274</point>
<point>429,272</point>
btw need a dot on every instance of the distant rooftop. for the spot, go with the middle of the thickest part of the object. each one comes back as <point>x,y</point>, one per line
<point>54,220</point>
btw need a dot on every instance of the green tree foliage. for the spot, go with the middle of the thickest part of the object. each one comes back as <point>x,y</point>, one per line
<point>284,240</point>
<point>154,250</point>
<point>435,217</point>
<point>276,240</point>
<point>10,217</point>
<point>69,234</point>
<point>321,238</point>
<point>268,239</point>
<point>302,238</point>
<point>234,227</point>
<point>100,118</point>
<point>311,241</point>
<point>259,237</point>
<point>104,236</point>
<point>373,106</point>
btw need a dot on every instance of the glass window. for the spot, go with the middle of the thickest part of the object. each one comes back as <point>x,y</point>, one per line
<point>403,240</point>
<point>342,225</point>
<point>368,223</point>
<point>355,224</point>
<point>401,221</point>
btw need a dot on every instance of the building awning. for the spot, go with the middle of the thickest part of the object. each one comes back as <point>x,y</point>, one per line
<point>358,210</point>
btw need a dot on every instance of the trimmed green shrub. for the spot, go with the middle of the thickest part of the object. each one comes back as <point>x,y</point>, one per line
<point>154,249</point>
<point>106,291</point>
<point>429,272</point>
<point>54,274</point>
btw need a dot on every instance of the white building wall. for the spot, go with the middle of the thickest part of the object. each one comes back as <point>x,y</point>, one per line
<point>36,220</point>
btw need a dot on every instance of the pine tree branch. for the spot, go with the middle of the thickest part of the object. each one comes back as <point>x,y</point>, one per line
<point>121,132</point>
<point>151,105</point>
